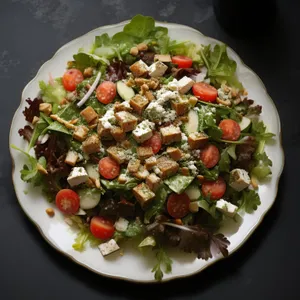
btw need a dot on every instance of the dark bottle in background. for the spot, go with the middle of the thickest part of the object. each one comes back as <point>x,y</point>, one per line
<point>245,17</point>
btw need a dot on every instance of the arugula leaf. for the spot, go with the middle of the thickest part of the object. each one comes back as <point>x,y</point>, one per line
<point>178,183</point>
<point>30,172</point>
<point>224,162</point>
<point>52,92</point>
<point>148,241</point>
<point>250,201</point>
<point>210,208</point>
<point>259,130</point>
<point>56,126</point>
<point>114,185</point>
<point>84,236</point>
<point>209,174</point>
<point>163,260</point>
<point>38,129</point>
<point>139,26</point>
<point>220,67</point>
<point>157,204</point>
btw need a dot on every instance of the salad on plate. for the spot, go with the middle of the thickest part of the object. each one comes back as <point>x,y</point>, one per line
<point>149,139</point>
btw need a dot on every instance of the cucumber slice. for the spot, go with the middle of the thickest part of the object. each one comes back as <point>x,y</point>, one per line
<point>92,171</point>
<point>89,198</point>
<point>125,92</point>
<point>245,123</point>
<point>192,124</point>
<point>193,191</point>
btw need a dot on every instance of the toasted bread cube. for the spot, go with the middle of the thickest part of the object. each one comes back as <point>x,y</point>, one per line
<point>170,134</point>
<point>118,133</point>
<point>123,106</point>
<point>46,108</point>
<point>71,158</point>
<point>91,144</point>
<point>104,133</point>
<point>80,133</point>
<point>185,171</point>
<point>144,152</point>
<point>142,173</point>
<point>174,153</point>
<point>239,179</point>
<point>133,165</point>
<point>153,181</point>
<point>117,154</point>
<point>185,84</point>
<point>163,57</point>
<point>157,69</point>
<point>126,120</point>
<point>150,162</point>
<point>139,69</point>
<point>181,107</point>
<point>197,140</point>
<point>138,103</point>
<point>143,131</point>
<point>89,114</point>
<point>167,167</point>
<point>143,194</point>
<point>122,178</point>
<point>149,95</point>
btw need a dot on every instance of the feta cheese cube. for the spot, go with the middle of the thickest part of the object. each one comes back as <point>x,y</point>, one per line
<point>108,247</point>
<point>143,131</point>
<point>226,208</point>
<point>77,176</point>
<point>239,179</point>
<point>157,69</point>
<point>185,84</point>
<point>139,69</point>
<point>121,224</point>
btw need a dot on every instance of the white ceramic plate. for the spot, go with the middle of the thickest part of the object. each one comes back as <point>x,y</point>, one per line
<point>133,265</point>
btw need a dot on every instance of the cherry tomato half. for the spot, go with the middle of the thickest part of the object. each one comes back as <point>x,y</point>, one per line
<point>205,92</point>
<point>210,156</point>
<point>231,130</point>
<point>109,168</point>
<point>214,189</point>
<point>102,228</point>
<point>178,205</point>
<point>106,92</point>
<point>182,61</point>
<point>71,78</point>
<point>67,201</point>
<point>154,142</point>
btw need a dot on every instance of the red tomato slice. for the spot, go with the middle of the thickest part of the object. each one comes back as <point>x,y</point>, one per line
<point>67,201</point>
<point>71,78</point>
<point>205,91</point>
<point>231,130</point>
<point>154,142</point>
<point>210,156</point>
<point>102,228</point>
<point>214,189</point>
<point>182,61</point>
<point>178,205</point>
<point>106,92</point>
<point>108,168</point>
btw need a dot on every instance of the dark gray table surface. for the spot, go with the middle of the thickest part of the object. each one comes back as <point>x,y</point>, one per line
<point>266,267</point>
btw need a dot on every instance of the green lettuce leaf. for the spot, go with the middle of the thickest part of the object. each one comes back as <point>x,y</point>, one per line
<point>84,60</point>
<point>140,26</point>
<point>163,261</point>
<point>54,92</point>
<point>249,202</point>
<point>84,236</point>
<point>178,183</point>
<point>224,162</point>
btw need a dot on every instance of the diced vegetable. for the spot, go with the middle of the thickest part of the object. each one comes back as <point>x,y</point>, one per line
<point>192,125</point>
<point>89,198</point>
<point>178,183</point>
<point>125,92</point>
<point>245,123</point>
<point>193,191</point>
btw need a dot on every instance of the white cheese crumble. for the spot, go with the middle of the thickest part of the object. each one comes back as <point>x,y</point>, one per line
<point>192,167</point>
<point>143,127</point>
<point>108,119</point>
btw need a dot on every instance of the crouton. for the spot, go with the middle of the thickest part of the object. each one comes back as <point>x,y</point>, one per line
<point>163,57</point>
<point>46,108</point>
<point>167,167</point>
<point>104,133</point>
<point>149,95</point>
<point>144,152</point>
<point>118,133</point>
<point>139,69</point>
<point>117,154</point>
<point>184,171</point>
<point>142,173</point>
<point>80,133</point>
<point>138,103</point>
<point>91,144</point>
<point>174,153</point>
<point>143,194</point>
<point>71,158</point>
<point>133,165</point>
<point>153,181</point>
<point>150,162</point>
<point>89,114</point>
<point>126,120</point>
<point>122,106</point>
<point>197,140</point>
<point>170,134</point>
<point>181,106</point>
<point>122,178</point>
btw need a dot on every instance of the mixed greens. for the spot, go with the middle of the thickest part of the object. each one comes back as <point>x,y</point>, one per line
<point>147,138</point>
